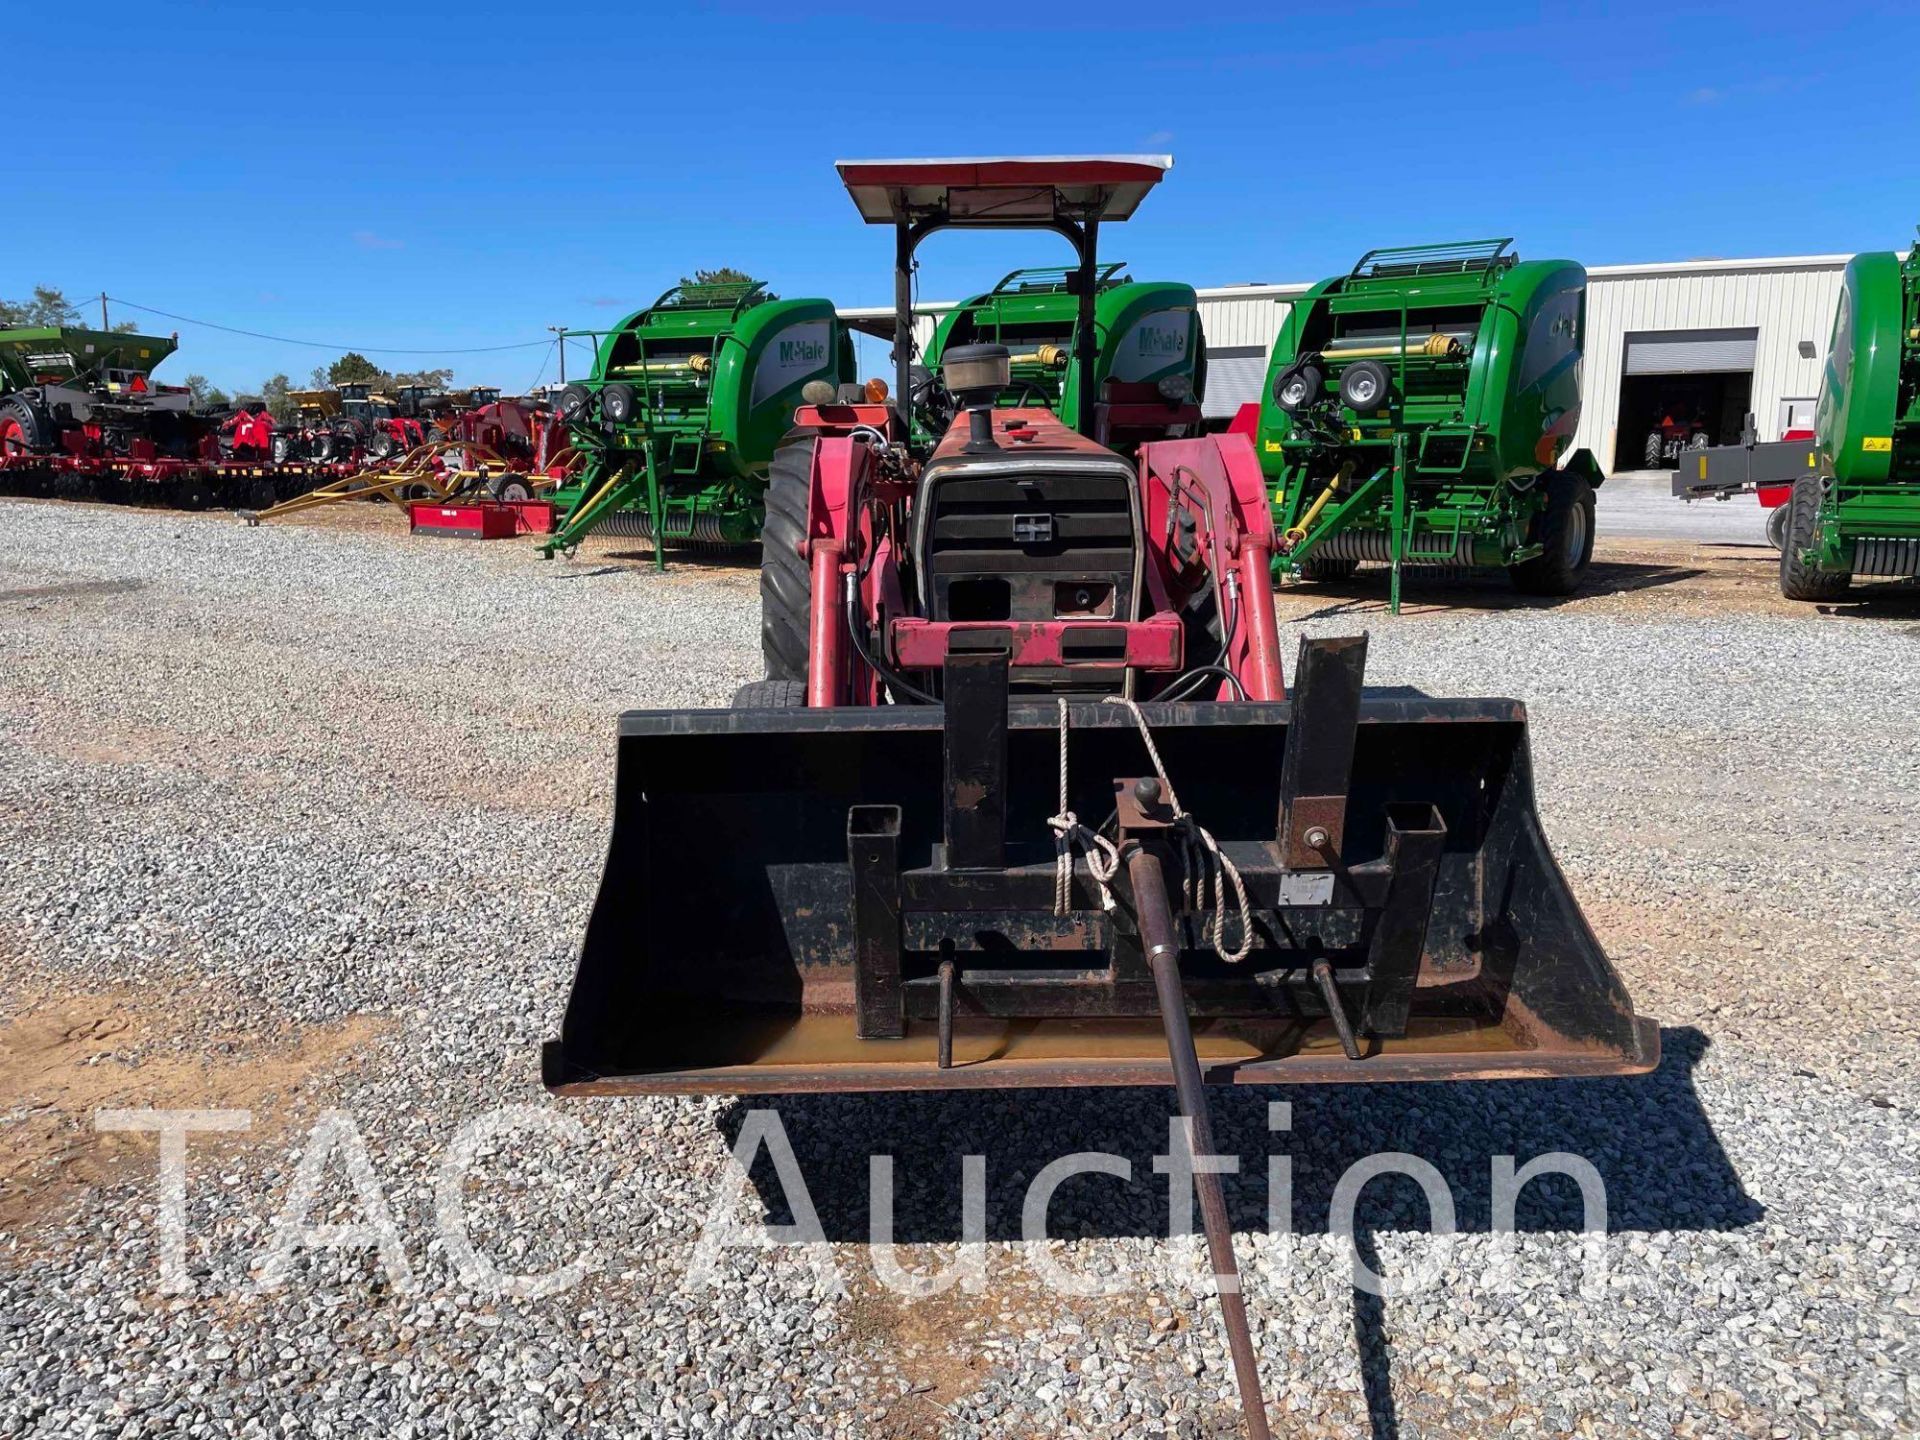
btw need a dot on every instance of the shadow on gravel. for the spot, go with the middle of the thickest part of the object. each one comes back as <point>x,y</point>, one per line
<point>1876,600</point>
<point>1653,1145</point>
<point>744,558</point>
<point>1423,591</point>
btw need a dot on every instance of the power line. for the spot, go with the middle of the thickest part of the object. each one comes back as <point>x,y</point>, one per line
<point>325,344</point>
<point>545,360</point>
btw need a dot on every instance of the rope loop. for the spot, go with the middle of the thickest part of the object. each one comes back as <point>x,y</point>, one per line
<point>1103,856</point>
<point>1207,870</point>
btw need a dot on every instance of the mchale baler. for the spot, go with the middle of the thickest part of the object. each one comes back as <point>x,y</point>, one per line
<point>1846,496</point>
<point>1147,367</point>
<point>1024,800</point>
<point>1419,410</point>
<point>1859,514</point>
<point>683,409</point>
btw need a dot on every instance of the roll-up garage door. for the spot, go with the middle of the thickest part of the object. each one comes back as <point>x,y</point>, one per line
<point>1689,352</point>
<point>1235,374</point>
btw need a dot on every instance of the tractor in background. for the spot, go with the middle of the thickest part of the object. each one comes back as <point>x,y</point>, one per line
<point>307,436</point>
<point>1148,364</point>
<point>374,425</point>
<point>885,868</point>
<point>1419,409</point>
<point>681,413</point>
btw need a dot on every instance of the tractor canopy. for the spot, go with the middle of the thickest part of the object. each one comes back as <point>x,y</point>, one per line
<point>1001,191</point>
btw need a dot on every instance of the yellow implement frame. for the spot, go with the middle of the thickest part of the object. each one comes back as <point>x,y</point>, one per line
<point>463,465</point>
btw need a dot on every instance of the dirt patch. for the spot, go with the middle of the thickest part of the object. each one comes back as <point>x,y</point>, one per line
<point>73,589</point>
<point>63,1058</point>
<point>932,1343</point>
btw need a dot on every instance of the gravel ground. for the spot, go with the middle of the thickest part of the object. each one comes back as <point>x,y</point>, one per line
<point>308,819</point>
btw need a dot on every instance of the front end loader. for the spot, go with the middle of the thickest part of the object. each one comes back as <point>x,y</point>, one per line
<point>1025,800</point>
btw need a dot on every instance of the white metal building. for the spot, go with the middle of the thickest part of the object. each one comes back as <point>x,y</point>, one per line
<point>1701,342</point>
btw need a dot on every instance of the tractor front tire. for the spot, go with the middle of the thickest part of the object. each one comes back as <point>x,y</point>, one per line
<point>1564,530</point>
<point>786,590</point>
<point>771,695</point>
<point>1799,580</point>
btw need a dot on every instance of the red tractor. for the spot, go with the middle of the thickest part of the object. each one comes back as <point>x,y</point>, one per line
<point>373,425</point>
<point>887,868</point>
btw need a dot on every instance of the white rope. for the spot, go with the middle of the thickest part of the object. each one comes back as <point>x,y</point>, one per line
<point>1067,831</point>
<point>1205,863</point>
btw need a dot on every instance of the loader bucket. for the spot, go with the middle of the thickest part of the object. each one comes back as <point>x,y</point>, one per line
<point>842,899</point>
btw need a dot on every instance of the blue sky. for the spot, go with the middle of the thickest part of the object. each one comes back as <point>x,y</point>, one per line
<point>416,177</point>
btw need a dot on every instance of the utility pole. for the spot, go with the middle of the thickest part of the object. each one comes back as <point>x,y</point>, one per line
<point>561,331</point>
<point>103,311</point>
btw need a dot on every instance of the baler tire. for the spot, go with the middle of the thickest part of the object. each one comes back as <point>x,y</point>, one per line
<point>1325,569</point>
<point>771,695</point>
<point>513,489</point>
<point>786,590</point>
<point>1555,570</point>
<point>1777,527</point>
<point>1798,580</point>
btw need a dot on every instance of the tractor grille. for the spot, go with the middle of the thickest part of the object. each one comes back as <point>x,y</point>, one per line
<point>1886,557</point>
<point>1029,545</point>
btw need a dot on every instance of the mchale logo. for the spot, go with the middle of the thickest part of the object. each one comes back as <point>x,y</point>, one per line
<point>1161,342</point>
<point>801,352</point>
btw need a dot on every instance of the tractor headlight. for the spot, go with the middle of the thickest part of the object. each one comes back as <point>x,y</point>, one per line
<point>1174,388</point>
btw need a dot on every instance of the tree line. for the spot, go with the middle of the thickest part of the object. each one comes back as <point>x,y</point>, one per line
<point>49,306</point>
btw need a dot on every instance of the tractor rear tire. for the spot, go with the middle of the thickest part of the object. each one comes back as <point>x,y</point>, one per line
<point>786,591</point>
<point>24,428</point>
<point>1654,453</point>
<point>1325,569</point>
<point>1564,530</point>
<point>1799,580</point>
<point>771,695</point>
